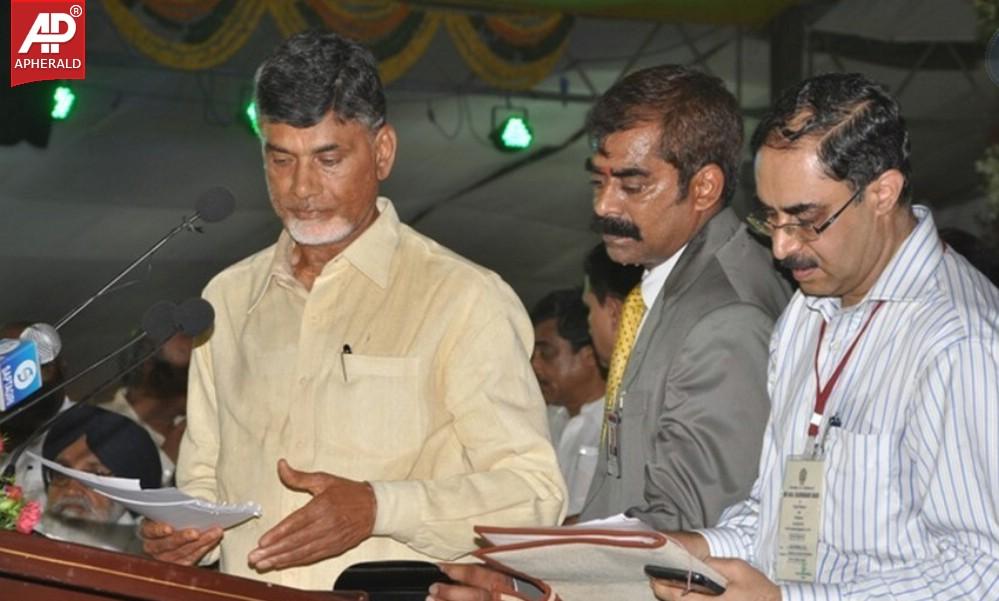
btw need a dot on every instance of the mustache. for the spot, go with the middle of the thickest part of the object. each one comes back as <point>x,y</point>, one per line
<point>611,226</point>
<point>798,262</point>
<point>85,510</point>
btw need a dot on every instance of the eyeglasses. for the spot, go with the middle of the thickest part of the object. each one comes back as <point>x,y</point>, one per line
<point>804,230</point>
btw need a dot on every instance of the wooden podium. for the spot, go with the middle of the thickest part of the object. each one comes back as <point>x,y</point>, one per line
<point>33,568</point>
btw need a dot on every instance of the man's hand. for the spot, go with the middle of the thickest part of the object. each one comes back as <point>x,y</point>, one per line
<point>339,517</point>
<point>478,583</point>
<point>745,583</point>
<point>184,547</point>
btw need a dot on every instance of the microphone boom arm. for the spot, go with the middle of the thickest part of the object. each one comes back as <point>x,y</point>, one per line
<point>187,224</point>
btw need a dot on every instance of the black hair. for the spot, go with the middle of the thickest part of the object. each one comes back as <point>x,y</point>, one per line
<point>607,278</point>
<point>859,126</point>
<point>566,307</point>
<point>700,119</point>
<point>313,73</point>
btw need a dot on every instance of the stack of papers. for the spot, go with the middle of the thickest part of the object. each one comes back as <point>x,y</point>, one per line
<point>168,505</point>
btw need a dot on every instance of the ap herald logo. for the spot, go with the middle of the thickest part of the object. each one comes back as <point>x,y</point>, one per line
<point>47,40</point>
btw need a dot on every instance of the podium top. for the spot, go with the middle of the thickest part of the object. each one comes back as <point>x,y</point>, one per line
<point>38,563</point>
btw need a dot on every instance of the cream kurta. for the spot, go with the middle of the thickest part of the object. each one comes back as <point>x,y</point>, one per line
<point>436,404</point>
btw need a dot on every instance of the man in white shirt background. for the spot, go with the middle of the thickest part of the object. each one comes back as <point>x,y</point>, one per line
<point>572,383</point>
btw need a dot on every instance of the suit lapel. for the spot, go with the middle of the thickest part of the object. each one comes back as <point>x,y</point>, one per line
<point>699,253</point>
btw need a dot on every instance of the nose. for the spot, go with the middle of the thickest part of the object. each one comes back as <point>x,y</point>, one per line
<point>783,244</point>
<point>605,202</point>
<point>535,362</point>
<point>305,181</point>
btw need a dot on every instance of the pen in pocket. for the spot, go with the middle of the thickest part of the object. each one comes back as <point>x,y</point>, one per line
<point>343,362</point>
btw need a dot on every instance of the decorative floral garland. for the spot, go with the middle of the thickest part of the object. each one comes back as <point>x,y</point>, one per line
<point>500,58</point>
<point>398,38</point>
<point>511,52</point>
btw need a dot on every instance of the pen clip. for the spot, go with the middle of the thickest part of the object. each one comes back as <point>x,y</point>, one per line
<point>343,362</point>
<point>820,446</point>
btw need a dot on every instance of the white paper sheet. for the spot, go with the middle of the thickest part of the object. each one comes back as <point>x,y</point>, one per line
<point>168,505</point>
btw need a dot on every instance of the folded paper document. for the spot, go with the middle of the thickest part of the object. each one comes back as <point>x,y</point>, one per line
<point>168,505</point>
<point>592,561</point>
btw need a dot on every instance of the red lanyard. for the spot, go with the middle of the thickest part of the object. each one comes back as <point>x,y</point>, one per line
<point>822,392</point>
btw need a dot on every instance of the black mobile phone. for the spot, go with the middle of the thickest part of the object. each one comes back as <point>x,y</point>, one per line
<point>699,583</point>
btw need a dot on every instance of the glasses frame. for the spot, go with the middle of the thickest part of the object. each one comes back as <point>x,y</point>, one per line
<point>797,228</point>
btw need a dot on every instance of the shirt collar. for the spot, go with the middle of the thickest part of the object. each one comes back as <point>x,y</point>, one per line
<point>654,279</point>
<point>908,274</point>
<point>371,253</point>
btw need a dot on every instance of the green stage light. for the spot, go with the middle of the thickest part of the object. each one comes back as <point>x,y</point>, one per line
<point>251,118</point>
<point>514,133</point>
<point>62,102</point>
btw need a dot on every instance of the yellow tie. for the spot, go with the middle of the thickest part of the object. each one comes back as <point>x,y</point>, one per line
<point>627,329</point>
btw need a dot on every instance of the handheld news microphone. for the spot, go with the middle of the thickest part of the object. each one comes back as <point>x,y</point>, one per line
<point>21,363</point>
<point>46,339</point>
<point>214,205</point>
<point>159,323</point>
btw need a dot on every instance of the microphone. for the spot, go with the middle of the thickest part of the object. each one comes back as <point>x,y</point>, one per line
<point>46,338</point>
<point>214,205</point>
<point>21,362</point>
<point>193,317</point>
<point>158,324</point>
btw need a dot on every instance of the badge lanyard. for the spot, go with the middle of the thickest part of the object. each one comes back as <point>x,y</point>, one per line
<point>822,392</point>
<point>800,519</point>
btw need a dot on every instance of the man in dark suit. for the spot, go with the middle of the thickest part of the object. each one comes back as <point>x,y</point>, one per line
<point>686,398</point>
<point>686,387</point>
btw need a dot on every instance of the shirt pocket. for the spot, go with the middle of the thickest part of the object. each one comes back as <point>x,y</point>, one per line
<point>861,501</point>
<point>380,416</point>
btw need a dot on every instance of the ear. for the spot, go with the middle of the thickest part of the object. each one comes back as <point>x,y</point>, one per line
<point>588,355</point>
<point>706,187</point>
<point>886,191</point>
<point>385,145</point>
<point>615,306</point>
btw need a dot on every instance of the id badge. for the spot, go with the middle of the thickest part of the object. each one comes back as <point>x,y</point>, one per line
<point>800,519</point>
<point>613,443</point>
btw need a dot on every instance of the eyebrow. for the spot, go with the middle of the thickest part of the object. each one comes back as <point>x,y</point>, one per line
<point>799,208</point>
<point>269,147</point>
<point>618,173</point>
<point>793,210</point>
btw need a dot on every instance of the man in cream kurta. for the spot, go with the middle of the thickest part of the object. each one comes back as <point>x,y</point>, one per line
<point>435,405</point>
<point>369,388</point>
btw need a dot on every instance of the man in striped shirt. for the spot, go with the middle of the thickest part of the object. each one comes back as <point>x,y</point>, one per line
<point>884,369</point>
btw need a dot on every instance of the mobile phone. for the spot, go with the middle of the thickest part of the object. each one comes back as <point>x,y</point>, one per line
<point>699,583</point>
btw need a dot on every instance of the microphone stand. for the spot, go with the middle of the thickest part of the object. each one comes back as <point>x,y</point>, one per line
<point>188,224</point>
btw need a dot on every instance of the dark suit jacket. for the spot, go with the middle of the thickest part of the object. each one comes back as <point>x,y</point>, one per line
<point>694,390</point>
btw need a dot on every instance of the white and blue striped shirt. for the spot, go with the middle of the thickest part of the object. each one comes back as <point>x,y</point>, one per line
<point>911,503</point>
